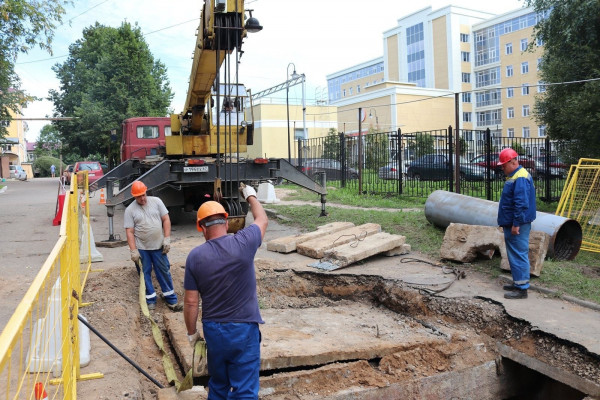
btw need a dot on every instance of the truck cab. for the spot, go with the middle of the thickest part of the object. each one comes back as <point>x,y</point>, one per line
<point>144,136</point>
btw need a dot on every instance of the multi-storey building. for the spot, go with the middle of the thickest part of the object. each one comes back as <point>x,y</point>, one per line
<point>434,56</point>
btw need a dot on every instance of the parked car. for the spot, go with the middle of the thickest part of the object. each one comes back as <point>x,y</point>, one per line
<point>390,171</point>
<point>492,163</point>
<point>93,167</point>
<point>332,169</point>
<point>104,167</point>
<point>66,175</point>
<point>17,172</point>
<point>436,167</point>
<point>555,161</point>
<point>555,173</point>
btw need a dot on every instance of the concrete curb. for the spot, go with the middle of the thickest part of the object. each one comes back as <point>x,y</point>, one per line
<point>554,293</point>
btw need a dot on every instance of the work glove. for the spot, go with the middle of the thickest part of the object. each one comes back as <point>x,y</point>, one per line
<point>135,255</point>
<point>247,191</point>
<point>193,338</point>
<point>166,245</point>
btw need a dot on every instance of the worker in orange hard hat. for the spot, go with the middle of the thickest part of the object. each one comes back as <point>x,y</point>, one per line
<point>221,271</point>
<point>516,212</point>
<point>148,230</point>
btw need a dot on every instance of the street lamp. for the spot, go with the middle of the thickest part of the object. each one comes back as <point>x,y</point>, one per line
<point>287,102</point>
<point>371,111</point>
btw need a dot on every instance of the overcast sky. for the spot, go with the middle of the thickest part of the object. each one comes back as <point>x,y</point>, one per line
<point>319,36</point>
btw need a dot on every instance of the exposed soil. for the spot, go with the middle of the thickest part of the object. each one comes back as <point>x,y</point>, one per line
<point>468,329</point>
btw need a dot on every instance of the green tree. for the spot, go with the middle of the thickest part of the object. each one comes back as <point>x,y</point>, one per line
<point>421,144</point>
<point>376,149</point>
<point>331,145</point>
<point>570,33</point>
<point>49,142</point>
<point>24,24</point>
<point>110,75</point>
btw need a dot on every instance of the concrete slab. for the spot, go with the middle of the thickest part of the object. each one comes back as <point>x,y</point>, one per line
<point>349,253</point>
<point>317,336</point>
<point>287,244</point>
<point>316,248</point>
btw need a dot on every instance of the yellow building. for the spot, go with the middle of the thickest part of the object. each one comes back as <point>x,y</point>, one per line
<point>271,127</point>
<point>432,57</point>
<point>13,145</point>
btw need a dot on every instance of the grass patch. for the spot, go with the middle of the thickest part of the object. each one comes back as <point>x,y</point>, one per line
<point>579,278</point>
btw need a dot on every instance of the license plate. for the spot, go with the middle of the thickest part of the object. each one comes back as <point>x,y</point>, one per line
<point>91,174</point>
<point>196,169</point>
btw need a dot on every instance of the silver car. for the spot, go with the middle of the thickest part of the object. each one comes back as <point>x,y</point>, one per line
<point>17,172</point>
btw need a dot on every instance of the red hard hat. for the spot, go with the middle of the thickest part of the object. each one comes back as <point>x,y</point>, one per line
<point>506,155</point>
<point>138,188</point>
<point>208,209</point>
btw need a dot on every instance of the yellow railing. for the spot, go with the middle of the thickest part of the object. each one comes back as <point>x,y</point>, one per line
<point>580,201</point>
<point>40,345</point>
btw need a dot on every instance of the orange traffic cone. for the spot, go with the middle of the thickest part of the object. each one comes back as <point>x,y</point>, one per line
<point>102,199</point>
<point>40,393</point>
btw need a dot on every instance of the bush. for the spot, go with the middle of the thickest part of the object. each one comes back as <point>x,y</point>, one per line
<point>41,166</point>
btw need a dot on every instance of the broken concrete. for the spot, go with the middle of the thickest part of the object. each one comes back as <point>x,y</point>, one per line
<point>398,251</point>
<point>538,247</point>
<point>464,243</point>
<point>288,244</point>
<point>316,248</point>
<point>344,255</point>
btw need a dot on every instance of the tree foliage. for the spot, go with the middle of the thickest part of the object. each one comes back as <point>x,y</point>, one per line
<point>331,145</point>
<point>48,143</point>
<point>110,75</point>
<point>570,33</point>
<point>24,24</point>
<point>421,144</point>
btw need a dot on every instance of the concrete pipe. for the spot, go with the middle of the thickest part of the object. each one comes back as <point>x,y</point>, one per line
<point>443,208</point>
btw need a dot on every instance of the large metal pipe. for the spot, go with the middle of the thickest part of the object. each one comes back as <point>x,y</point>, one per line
<point>443,208</point>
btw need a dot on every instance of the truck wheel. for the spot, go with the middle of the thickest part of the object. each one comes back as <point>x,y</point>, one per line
<point>175,215</point>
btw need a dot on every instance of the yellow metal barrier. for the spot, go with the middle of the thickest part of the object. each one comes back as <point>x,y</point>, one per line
<point>580,201</point>
<point>39,347</point>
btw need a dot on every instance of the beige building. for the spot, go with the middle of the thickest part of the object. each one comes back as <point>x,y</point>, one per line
<point>430,57</point>
<point>13,146</point>
<point>271,126</point>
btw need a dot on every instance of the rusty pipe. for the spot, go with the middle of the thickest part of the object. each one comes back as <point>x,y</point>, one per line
<point>443,208</point>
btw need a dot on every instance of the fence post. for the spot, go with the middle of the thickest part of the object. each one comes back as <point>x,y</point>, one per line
<point>400,161</point>
<point>300,161</point>
<point>488,158</point>
<point>449,147</point>
<point>457,154</point>
<point>360,150</point>
<point>343,161</point>
<point>547,180</point>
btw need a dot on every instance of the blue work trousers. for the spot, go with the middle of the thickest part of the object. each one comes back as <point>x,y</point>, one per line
<point>517,250</point>
<point>233,360</point>
<point>162,270</point>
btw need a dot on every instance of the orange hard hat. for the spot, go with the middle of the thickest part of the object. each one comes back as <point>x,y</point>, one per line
<point>506,155</point>
<point>138,188</point>
<point>208,209</point>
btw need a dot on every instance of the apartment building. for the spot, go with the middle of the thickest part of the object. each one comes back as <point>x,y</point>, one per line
<point>433,55</point>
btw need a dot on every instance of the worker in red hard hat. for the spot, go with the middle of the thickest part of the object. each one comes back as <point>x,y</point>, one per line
<point>148,230</point>
<point>516,212</point>
<point>221,271</point>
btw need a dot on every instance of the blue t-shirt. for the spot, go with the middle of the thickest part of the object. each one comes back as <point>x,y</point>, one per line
<point>222,270</point>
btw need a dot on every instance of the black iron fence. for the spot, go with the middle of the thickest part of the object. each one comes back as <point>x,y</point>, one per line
<point>416,164</point>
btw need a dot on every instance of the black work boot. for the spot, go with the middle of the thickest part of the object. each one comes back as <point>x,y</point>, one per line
<point>516,294</point>
<point>510,288</point>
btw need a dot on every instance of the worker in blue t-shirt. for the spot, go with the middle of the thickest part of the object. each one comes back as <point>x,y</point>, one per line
<point>516,212</point>
<point>221,272</point>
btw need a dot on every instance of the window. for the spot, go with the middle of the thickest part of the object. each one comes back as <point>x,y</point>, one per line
<point>526,132</point>
<point>523,44</point>
<point>539,61</point>
<point>509,70</point>
<point>357,88</point>
<point>525,110</point>
<point>524,67</point>
<point>147,132</point>
<point>541,87</point>
<point>510,132</point>
<point>508,48</point>
<point>350,90</point>
<point>344,93</point>
<point>466,77</point>
<point>467,117</point>
<point>167,130</point>
<point>542,130</point>
<point>510,92</point>
<point>464,37</point>
<point>540,42</point>
<point>466,56</point>
<point>466,97</point>
<point>525,89</point>
<point>510,112</point>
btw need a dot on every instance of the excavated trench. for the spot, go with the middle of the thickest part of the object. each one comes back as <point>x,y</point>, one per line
<point>363,337</point>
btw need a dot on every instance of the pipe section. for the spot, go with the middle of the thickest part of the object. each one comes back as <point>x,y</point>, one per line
<point>443,208</point>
